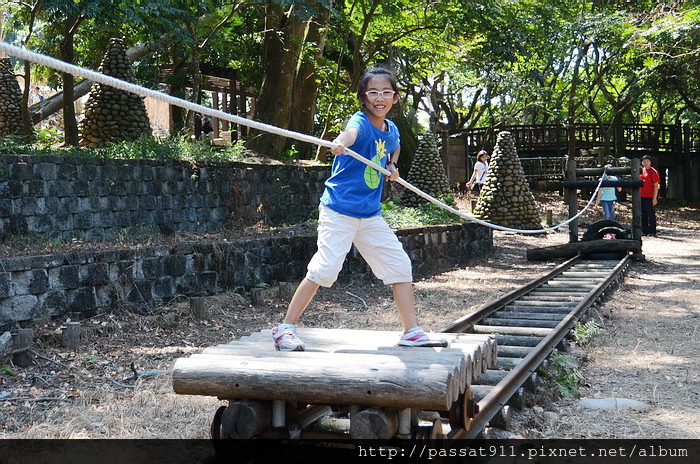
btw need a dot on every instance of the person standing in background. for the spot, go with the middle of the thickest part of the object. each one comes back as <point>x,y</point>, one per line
<point>36,96</point>
<point>649,193</point>
<point>607,198</point>
<point>481,168</point>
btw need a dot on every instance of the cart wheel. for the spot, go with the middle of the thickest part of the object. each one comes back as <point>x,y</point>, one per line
<point>218,436</point>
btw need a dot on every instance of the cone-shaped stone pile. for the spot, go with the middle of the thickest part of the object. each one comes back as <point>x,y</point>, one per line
<point>505,198</point>
<point>427,172</point>
<point>11,103</point>
<point>113,115</point>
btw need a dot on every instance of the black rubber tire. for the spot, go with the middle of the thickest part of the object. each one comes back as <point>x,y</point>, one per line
<point>592,233</point>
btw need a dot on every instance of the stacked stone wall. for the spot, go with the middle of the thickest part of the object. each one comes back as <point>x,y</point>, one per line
<point>81,284</point>
<point>68,198</point>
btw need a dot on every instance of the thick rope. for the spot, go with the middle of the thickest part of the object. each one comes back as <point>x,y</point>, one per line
<point>68,68</point>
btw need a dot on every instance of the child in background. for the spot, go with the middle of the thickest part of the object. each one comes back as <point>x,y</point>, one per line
<point>350,213</point>
<point>607,198</point>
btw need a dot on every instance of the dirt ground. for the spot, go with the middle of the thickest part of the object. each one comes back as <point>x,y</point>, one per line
<point>117,383</point>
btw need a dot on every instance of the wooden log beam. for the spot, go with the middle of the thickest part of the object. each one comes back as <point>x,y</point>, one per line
<point>373,424</point>
<point>321,384</point>
<point>245,419</point>
<point>569,250</point>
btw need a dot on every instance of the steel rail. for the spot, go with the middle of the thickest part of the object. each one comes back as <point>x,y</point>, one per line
<point>463,323</point>
<point>489,406</point>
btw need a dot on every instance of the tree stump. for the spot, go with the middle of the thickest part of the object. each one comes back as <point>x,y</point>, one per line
<point>198,308</point>
<point>71,335</point>
<point>23,339</point>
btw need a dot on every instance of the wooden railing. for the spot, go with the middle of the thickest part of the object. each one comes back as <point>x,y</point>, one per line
<point>554,139</point>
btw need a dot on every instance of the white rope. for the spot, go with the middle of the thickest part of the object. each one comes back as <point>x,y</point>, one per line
<point>144,92</point>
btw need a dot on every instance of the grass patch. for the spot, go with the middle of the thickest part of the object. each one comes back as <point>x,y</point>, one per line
<point>399,216</point>
<point>171,148</point>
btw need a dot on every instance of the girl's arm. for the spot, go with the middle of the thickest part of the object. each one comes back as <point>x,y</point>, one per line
<point>344,140</point>
<point>392,166</point>
<point>472,178</point>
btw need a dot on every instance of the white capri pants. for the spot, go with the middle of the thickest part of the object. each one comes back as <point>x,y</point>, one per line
<point>374,239</point>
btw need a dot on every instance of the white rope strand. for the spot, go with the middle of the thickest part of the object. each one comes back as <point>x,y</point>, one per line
<point>144,92</point>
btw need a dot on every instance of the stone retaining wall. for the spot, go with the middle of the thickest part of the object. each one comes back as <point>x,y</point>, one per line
<point>94,199</point>
<point>83,283</point>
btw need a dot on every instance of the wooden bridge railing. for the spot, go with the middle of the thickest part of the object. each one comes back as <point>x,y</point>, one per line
<point>554,139</point>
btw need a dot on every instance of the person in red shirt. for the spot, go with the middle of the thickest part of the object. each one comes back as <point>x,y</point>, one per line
<point>649,193</point>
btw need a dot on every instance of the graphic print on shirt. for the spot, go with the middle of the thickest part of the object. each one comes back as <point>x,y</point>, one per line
<point>372,178</point>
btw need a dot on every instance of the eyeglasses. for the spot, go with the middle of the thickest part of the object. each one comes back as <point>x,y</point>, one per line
<point>374,94</point>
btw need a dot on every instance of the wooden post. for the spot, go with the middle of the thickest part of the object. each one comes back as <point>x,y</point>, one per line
<point>286,290</point>
<point>571,196</point>
<point>257,297</point>
<point>548,216</point>
<point>71,335</point>
<point>473,204</point>
<point>215,104</point>
<point>636,203</point>
<point>22,340</point>
<point>198,308</point>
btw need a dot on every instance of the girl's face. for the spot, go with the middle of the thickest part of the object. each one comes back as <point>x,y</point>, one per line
<point>379,97</point>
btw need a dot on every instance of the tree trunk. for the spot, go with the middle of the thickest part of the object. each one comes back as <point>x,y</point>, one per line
<point>67,51</point>
<point>282,49</point>
<point>177,89</point>
<point>305,90</point>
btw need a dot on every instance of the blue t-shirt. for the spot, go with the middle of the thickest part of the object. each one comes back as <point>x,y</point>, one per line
<point>609,192</point>
<point>355,189</point>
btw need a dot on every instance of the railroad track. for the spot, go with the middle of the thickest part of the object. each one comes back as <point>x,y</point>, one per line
<point>414,393</point>
<point>529,323</point>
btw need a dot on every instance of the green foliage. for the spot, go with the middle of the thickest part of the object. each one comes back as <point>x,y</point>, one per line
<point>49,136</point>
<point>398,216</point>
<point>584,333</point>
<point>7,370</point>
<point>144,148</point>
<point>564,374</point>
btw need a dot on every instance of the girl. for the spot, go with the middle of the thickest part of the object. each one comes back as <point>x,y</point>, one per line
<point>481,168</point>
<point>350,212</point>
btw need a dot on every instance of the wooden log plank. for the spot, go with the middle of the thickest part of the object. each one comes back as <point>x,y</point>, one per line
<point>245,419</point>
<point>456,370</point>
<point>479,346</point>
<point>449,358</point>
<point>373,424</point>
<point>528,315</point>
<point>404,388</point>
<point>526,331</point>
<point>519,323</point>
<point>551,303</point>
<point>540,309</point>
<point>476,358</point>
<point>514,351</point>
<point>490,377</point>
<point>517,340</point>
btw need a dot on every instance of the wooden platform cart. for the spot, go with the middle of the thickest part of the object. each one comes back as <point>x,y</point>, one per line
<point>347,384</point>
